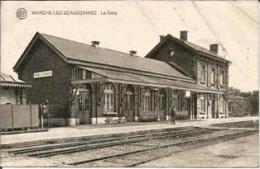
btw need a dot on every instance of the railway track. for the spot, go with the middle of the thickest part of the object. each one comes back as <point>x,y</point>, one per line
<point>115,140</point>
<point>135,158</point>
<point>125,149</point>
<point>85,138</point>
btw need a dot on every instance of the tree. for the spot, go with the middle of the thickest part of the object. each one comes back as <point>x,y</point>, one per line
<point>254,103</point>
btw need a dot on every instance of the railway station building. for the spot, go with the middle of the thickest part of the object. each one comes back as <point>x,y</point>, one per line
<point>89,84</point>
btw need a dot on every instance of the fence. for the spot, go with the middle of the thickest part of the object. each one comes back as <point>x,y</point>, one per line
<point>19,116</point>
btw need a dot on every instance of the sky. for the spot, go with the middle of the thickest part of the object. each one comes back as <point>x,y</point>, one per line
<point>138,25</point>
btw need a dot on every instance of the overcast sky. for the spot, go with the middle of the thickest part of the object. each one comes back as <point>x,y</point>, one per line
<point>137,26</point>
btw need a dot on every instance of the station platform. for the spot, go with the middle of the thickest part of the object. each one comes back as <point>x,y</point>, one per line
<point>93,130</point>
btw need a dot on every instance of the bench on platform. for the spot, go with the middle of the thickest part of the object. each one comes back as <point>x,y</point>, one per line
<point>110,118</point>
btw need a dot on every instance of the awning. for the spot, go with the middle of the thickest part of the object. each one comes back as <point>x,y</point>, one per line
<point>137,79</point>
<point>14,84</point>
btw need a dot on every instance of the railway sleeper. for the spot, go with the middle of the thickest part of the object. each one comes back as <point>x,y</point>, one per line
<point>125,155</point>
<point>85,138</point>
<point>103,145</point>
<point>77,143</point>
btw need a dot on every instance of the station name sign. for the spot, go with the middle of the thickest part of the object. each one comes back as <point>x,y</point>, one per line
<point>37,75</point>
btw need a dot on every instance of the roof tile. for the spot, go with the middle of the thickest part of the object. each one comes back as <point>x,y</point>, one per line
<point>85,52</point>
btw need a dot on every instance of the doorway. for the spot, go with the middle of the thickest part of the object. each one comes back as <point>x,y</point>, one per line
<point>130,104</point>
<point>84,107</point>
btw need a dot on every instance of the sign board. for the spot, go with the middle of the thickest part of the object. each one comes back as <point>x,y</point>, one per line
<point>42,74</point>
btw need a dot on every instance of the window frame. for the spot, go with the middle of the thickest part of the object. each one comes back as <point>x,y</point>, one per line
<point>222,78</point>
<point>202,103</point>
<point>213,76</point>
<point>147,100</point>
<point>162,100</point>
<point>109,98</point>
<point>222,104</point>
<point>203,73</point>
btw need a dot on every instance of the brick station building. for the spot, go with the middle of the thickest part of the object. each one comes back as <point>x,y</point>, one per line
<point>89,84</point>
<point>205,67</point>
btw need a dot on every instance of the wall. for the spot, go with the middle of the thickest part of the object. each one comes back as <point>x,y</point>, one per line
<point>97,110</point>
<point>7,95</point>
<point>210,64</point>
<point>19,116</point>
<point>182,57</point>
<point>55,88</point>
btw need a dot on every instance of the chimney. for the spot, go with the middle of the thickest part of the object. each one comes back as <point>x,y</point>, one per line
<point>184,35</point>
<point>214,48</point>
<point>132,52</point>
<point>162,37</point>
<point>95,43</point>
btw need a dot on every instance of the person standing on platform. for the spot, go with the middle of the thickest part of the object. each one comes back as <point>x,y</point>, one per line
<point>45,107</point>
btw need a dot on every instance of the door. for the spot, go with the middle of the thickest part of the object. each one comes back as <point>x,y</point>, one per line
<point>210,107</point>
<point>130,106</point>
<point>195,106</point>
<point>84,107</point>
<point>162,105</point>
<point>213,108</point>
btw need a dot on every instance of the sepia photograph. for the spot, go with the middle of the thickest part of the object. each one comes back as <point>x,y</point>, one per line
<point>87,84</point>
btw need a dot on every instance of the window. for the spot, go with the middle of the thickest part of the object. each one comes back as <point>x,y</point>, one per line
<point>221,104</point>
<point>109,96</point>
<point>79,74</point>
<point>147,100</point>
<point>171,52</point>
<point>162,100</point>
<point>84,74</point>
<point>222,78</point>
<point>213,76</point>
<point>202,103</point>
<point>203,73</point>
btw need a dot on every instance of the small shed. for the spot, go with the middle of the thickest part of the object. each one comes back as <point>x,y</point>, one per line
<point>12,90</point>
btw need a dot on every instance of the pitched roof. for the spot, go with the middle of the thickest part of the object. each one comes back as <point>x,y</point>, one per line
<point>10,81</point>
<point>130,78</point>
<point>196,48</point>
<point>8,78</point>
<point>78,51</point>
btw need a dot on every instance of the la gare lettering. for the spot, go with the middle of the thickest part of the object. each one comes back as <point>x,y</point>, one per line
<point>108,12</point>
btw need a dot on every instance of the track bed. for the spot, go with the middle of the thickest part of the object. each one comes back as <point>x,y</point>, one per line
<point>122,150</point>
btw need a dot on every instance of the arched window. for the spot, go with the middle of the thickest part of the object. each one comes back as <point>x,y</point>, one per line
<point>147,102</point>
<point>162,100</point>
<point>109,96</point>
